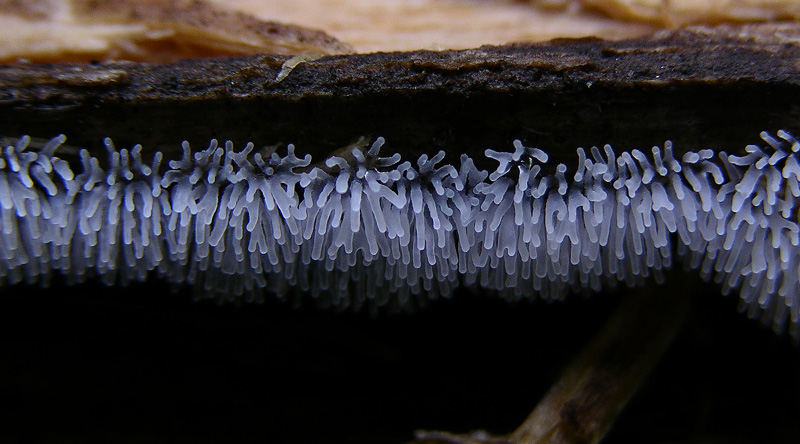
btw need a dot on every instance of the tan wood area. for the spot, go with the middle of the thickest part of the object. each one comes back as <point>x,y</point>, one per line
<point>164,30</point>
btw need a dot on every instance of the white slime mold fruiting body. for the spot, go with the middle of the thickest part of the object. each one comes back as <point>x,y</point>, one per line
<point>374,229</point>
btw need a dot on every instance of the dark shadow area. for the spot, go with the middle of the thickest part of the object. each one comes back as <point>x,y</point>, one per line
<point>142,364</point>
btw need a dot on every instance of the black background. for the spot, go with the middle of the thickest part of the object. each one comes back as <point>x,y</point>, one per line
<point>91,363</point>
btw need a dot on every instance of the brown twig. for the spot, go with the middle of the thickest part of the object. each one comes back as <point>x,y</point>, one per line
<point>583,403</point>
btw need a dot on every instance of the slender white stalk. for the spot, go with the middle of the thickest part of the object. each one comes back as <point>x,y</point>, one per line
<point>374,229</point>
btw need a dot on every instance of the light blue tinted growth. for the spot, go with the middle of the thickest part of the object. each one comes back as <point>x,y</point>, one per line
<point>378,230</point>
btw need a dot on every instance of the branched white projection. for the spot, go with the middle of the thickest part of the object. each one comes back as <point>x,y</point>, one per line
<point>370,229</point>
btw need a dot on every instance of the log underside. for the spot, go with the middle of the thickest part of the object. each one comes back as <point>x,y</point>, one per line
<point>701,88</point>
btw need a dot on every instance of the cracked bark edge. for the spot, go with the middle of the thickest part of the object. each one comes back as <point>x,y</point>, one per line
<point>700,87</point>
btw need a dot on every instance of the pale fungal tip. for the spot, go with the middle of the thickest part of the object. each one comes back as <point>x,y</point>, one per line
<point>374,230</point>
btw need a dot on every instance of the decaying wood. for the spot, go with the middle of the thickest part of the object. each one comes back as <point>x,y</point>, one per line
<point>399,25</point>
<point>681,12</point>
<point>702,88</point>
<point>167,30</point>
<point>151,30</point>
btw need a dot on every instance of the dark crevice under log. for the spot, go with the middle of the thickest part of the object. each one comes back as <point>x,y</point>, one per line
<point>702,88</point>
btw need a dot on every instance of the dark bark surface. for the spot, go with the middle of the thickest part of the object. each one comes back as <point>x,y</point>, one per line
<point>702,88</point>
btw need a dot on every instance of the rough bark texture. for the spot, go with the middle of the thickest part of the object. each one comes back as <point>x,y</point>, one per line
<point>702,88</point>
